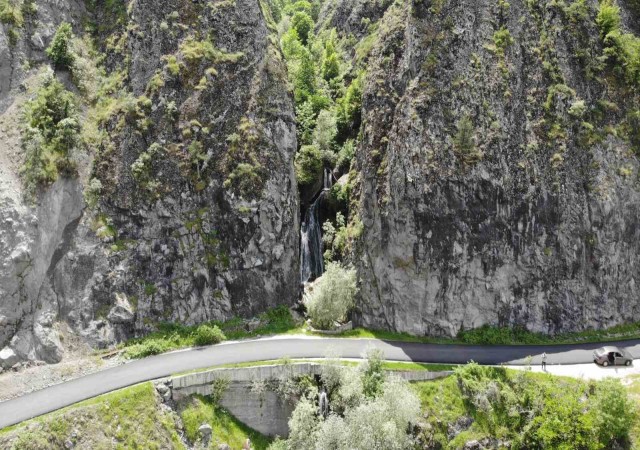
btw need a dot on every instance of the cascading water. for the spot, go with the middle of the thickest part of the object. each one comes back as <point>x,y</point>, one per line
<point>311,258</point>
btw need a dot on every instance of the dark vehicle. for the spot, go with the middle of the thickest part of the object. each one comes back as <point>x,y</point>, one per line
<point>612,356</point>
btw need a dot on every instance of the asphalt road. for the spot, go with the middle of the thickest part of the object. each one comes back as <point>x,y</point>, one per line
<point>65,394</point>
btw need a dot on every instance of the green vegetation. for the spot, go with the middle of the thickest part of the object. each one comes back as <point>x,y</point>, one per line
<point>208,335</point>
<point>11,13</point>
<point>492,335</point>
<point>128,418</point>
<point>174,336</point>
<point>196,410</point>
<point>529,410</point>
<point>244,163</point>
<point>50,133</point>
<point>333,296</point>
<point>308,165</point>
<point>368,410</point>
<point>328,89</point>
<point>60,49</point>
<point>622,49</point>
<point>397,366</point>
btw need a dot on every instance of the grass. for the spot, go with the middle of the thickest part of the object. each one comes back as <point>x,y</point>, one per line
<point>128,418</point>
<point>387,365</point>
<point>197,410</point>
<point>489,335</point>
<point>279,321</point>
<point>175,336</point>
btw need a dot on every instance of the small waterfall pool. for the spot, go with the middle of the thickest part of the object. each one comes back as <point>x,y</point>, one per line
<point>311,252</point>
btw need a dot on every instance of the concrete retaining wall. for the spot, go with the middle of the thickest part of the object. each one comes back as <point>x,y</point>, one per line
<point>265,412</point>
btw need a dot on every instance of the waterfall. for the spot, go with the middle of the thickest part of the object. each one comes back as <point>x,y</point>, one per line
<point>328,180</point>
<point>311,258</point>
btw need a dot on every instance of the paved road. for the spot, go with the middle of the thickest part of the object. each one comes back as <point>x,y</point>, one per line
<point>65,394</point>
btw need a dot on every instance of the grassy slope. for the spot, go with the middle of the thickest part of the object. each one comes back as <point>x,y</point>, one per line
<point>196,410</point>
<point>128,418</point>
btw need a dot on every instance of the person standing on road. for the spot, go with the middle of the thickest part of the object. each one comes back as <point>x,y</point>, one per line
<point>544,361</point>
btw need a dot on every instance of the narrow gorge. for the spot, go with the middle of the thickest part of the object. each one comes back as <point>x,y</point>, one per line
<point>187,162</point>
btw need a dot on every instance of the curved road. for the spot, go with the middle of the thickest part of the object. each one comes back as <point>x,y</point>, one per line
<point>65,394</point>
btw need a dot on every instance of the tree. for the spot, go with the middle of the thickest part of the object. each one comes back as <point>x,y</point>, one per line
<point>330,63</point>
<point>305,78</point>
<point>60,49</point>
<point>308,165</point>
<point>324,135</point>
<point>615,412</point>
<point>303,426</point>
<point>291,46</point>
<point>303,24</point>
<point>333,296</point>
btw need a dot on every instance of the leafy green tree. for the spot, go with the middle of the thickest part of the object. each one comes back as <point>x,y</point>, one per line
<point>308,165</point>
<point>60,49</point>
<point>324,135</point>
<point>615,412</point>
<point>333,296</point>
<point>349,108</point>
<point>372,373</point>
<point>330,63</point>
<point>303,426</point>
<point>50,133</point>
<point>306,119</point>
<point>305,79</point>
<point>303,24</point>
<point>291,46</point>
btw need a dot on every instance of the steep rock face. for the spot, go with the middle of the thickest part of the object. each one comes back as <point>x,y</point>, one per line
<point>181,236</point>
<point>490,192</point>
<point>208,226</point>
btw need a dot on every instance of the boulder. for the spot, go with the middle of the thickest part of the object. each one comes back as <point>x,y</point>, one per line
<point>8,358</point>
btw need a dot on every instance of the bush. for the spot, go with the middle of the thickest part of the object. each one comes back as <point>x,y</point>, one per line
<point>608,18</point>
<point>208,335</point>
<point>60,49</point>
<point>333,296</point>
<point>11,13</point>
<point>147,348</point>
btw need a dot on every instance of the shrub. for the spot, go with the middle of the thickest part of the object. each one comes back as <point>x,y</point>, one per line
<point>147,348</point>
<point>60,49</point>
<point>464,139</point>
<point>208,335</point>
<point>333,296</point>
<point>608,18</point>
<point>11,13</point>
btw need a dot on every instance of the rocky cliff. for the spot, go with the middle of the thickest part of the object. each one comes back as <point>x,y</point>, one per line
<point>498,169</point>
<point>178,203</point>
